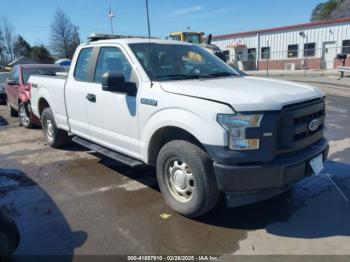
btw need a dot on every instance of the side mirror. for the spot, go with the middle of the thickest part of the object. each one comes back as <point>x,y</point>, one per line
<point>12,82</point>
<point>115,82</point>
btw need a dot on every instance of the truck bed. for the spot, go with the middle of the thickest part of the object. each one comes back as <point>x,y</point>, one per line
<point>53,87</point>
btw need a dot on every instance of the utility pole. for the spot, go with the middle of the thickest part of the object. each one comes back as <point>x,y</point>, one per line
<point>305,50</point>
<point>148,24</point>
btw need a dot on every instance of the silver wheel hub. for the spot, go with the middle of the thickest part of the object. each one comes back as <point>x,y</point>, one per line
<point>23,115</point>
<point>180,180</point>
<point>49,127</point>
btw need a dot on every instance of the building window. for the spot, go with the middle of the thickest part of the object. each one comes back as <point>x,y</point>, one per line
<point>309,49</point>
<point>346,47</point>
<point>293,51</point>
<point>265,53</point>
<point>251,54</point>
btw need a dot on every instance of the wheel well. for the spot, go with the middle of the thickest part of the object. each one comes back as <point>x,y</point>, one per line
<point>42,105</point>
<point>163,136</point>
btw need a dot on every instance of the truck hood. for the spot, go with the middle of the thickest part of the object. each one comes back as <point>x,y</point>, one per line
<point>245,93</point>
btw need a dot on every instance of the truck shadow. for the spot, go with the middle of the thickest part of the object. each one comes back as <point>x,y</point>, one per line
<point>314,208</point>
<point>42,227</point>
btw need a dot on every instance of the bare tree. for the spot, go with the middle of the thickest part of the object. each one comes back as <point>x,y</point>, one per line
<point>8,38</point>
<point>75,40</point>
<point>3,57</point>
<point>64,36</point>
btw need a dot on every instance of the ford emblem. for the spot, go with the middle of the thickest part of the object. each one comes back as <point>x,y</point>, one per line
<point>314,124</point>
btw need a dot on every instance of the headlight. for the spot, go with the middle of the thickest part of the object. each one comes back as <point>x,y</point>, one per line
<point>236,126</point>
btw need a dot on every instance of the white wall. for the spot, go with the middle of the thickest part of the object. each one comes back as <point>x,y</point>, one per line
<point>279,40</point>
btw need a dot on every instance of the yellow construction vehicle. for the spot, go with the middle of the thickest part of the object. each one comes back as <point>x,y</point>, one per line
<point>192,37</point>
<point>199,39</point>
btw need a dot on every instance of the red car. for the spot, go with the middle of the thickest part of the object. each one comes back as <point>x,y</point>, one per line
<point>18,90</point>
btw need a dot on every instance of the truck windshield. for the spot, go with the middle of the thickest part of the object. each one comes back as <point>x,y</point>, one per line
<point>27,72</point>
<point>164,62</point>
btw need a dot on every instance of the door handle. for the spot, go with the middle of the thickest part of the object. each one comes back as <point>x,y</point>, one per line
<point>91,98</point>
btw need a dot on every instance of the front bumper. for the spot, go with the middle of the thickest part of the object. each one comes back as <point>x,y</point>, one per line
<point>268,178</point>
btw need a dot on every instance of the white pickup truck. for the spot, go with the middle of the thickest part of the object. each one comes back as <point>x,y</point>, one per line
<point>209,129</point>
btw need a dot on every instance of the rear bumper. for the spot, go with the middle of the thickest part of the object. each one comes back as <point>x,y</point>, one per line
<point>33,117</point>
<point>268,178</point>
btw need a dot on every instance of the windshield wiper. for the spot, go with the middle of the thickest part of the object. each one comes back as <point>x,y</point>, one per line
<point>219,74</point>
<point>173,75</point>
<point>184,76</point>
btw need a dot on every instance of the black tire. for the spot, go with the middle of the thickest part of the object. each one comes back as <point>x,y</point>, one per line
<point>27,123</point>
<point>55,137</point>
<point>205,192</point>
<point>12,112</point>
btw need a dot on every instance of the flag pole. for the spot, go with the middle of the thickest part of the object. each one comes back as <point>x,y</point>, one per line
<point>110,14</point>
<point>112,26</point>
<point>148,25</point>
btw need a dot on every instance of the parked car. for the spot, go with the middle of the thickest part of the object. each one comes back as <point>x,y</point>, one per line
<point>18,90</point>
<point>3,77</point>
<point>206,127</point>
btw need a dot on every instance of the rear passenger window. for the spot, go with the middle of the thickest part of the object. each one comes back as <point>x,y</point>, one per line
<point>82,65</point>
<point>112,59</point>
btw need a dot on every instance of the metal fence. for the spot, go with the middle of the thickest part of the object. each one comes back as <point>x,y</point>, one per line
<point>289,60</point>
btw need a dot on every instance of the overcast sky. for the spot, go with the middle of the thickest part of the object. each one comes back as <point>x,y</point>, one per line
<point>32,19</point>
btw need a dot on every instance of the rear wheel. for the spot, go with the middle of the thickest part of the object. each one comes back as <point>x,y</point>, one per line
<point>186,178</point>
<point>24,116</point>
<point>55,137</point>
<point>12,112</point>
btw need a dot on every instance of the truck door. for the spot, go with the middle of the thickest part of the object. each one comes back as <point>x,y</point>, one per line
<point>112,116</point>
<point>76,92</point>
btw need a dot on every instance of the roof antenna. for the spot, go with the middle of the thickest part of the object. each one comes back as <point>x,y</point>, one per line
<point>148,24</point>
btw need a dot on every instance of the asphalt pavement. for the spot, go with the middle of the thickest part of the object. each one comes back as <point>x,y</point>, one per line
<point>73,202</point>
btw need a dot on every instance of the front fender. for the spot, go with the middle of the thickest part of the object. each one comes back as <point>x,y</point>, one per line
<point>206,131</point>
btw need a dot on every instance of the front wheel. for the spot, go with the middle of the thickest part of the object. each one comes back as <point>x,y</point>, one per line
<point>186,178</point>
<point>55,137</point>
<point>24,116</point>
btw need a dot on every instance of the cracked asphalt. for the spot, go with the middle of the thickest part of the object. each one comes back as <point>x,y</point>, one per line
<point>75,202</point>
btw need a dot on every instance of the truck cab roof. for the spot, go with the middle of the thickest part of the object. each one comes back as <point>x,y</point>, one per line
<point>96,39</point>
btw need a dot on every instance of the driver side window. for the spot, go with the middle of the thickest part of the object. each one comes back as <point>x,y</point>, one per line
<point>112,59</point>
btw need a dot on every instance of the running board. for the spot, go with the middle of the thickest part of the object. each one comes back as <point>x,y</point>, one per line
<point>107,152</point>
